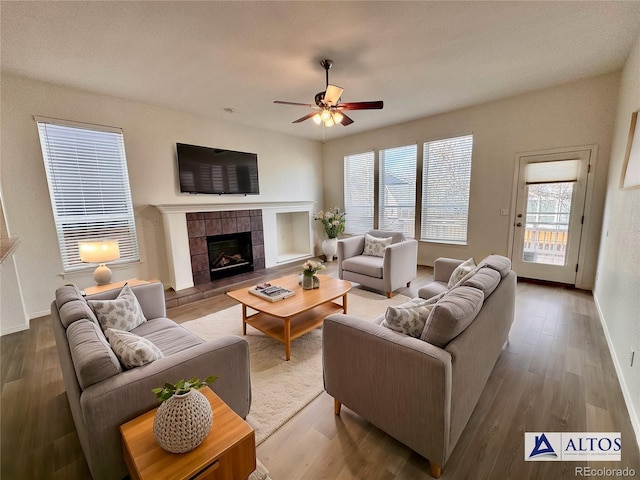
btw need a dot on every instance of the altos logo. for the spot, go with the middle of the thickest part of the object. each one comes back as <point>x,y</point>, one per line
<point>572,446</point>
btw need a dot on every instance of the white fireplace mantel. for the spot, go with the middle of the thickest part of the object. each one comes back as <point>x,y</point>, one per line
<point>174,220</point>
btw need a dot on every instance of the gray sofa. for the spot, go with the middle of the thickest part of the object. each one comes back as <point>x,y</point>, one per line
<point>102,395</point>
<point>420,393</point>
<point>396,268</point>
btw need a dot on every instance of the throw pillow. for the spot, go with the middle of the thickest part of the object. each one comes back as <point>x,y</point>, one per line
<point>451,315</point>
<point>461,271</point>
<point>410,317</point>
<point>374,246</point>
<point>131,349</point>
<point>123,313</point>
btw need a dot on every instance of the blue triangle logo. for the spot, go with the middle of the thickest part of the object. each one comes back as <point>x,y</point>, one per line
<point>542,447</point>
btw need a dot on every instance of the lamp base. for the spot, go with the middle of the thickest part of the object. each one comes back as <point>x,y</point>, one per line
<point>102,274</point>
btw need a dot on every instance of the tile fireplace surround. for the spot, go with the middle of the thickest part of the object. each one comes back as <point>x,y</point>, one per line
<point>187,225</point>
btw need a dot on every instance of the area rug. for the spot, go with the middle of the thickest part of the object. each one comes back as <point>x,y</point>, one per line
<point>280,389</point>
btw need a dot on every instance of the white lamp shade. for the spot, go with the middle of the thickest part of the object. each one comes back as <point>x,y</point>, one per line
<point>99,251</point>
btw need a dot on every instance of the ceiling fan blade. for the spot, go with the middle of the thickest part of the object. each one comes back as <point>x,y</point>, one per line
<point>295,103</point>
<point>345,120</point>
<point>306,117</point>
<point>361,105</point>
<point>332,95</point>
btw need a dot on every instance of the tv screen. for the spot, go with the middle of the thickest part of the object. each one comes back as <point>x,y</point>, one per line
<point>217,171</point>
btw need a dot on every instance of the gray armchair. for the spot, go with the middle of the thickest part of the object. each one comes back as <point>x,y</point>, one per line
<point>395,269</point>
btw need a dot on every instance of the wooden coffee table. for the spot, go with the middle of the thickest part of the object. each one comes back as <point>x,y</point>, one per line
<point>288,319</point>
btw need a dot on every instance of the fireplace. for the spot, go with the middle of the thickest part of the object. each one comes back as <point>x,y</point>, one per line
<point>229,254</point>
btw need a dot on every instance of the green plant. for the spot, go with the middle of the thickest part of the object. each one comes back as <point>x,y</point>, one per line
<point>168,390</point>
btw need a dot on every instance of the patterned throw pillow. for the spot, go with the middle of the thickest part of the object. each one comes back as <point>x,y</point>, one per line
<point>131,349</point>
<point>123,313</point>
<point>461,271</point>
<point>374,246</point>
<point>410,317</point>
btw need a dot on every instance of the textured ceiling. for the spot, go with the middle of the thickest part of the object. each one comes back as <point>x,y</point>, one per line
<point>421,58</point>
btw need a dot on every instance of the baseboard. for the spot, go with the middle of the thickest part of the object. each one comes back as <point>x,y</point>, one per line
<point>635,424</point>
<point>43,313</point>
<point>18,328</point>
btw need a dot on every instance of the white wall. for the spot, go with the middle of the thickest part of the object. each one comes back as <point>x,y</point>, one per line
<point>574,114</point>
<point>617,290</point>
<point>290,168</point>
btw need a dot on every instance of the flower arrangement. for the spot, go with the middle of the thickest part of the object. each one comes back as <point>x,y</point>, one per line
<point>332,221</point>
<point>311,267</point>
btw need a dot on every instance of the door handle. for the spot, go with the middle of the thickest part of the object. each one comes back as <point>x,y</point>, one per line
<point>518,224</point>
<point>519,215</point>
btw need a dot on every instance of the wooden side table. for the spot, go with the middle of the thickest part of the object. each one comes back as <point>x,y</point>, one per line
<point>227,453</point>
<point>112,286</point>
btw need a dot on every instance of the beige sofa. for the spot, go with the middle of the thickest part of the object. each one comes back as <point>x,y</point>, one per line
<point>420,393</point>
<point>103,395</point>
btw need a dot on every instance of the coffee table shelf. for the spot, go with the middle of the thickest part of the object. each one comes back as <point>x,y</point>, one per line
<point>304,322</point>
<point>288,319</point>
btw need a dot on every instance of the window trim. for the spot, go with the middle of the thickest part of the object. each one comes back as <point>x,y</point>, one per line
<point>419,185</point>
<point>70,265</point>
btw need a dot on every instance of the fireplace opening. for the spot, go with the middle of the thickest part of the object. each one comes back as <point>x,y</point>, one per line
<point>230,254</point>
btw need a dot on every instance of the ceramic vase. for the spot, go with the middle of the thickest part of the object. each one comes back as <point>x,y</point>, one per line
<point>329,248</point>
<point>310,281</point>
<point>182,422</point>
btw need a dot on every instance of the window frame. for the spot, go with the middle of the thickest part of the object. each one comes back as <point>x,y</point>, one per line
<point>85,208</point>
<point>419,189</point>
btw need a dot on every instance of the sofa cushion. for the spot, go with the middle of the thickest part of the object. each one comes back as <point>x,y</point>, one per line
<point>364,265</point>
<point>498,263</point>
<point>167,335</point>
<point>375,246</point>
<point>461,271</point>
<point>93,359</point>
<point>123,313</point>
<point>452,314</point>
<point>485,279</point>
<point>133,350</point>
<point>410,317</point>
<point>67,293</point>
<point>396,237</point>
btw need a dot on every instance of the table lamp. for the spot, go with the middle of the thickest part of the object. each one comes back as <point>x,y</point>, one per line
<point>100,251</point>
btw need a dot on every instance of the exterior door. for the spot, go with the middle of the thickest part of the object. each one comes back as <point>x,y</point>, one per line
<point>549,215</point>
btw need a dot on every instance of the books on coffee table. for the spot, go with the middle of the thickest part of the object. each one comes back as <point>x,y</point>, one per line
<point>273,293</point>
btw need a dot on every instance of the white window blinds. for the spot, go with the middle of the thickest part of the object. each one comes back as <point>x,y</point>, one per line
<point>89,187</point>
<point>446,178</point>
<point>358,192</point>
<point>398,189</point>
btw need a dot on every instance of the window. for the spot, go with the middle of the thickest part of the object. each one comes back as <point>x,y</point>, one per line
<point>358,192</point>
<point>397,206</point>
<point>88,181</point>
<point>445,185</point>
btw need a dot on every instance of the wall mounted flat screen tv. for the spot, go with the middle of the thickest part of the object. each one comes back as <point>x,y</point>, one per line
<point>217,171</point>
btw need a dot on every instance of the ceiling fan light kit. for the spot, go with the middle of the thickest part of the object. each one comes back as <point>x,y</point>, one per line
<point>328,102</point>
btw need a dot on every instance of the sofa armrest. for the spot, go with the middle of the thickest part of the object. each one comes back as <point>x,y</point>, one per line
<point>400,264</point>
<point>349,247</point>
<point>444,267</point>
<point>399,383</point>
<point>109,404</point>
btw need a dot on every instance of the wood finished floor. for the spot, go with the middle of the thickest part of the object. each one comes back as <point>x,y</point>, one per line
<point>554,374</point>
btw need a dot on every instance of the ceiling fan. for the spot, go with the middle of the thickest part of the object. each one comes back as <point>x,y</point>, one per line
<point>329,109</point>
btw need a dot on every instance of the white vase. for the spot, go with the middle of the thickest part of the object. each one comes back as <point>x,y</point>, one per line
<point>182,422</point>
<point>329,248</point>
